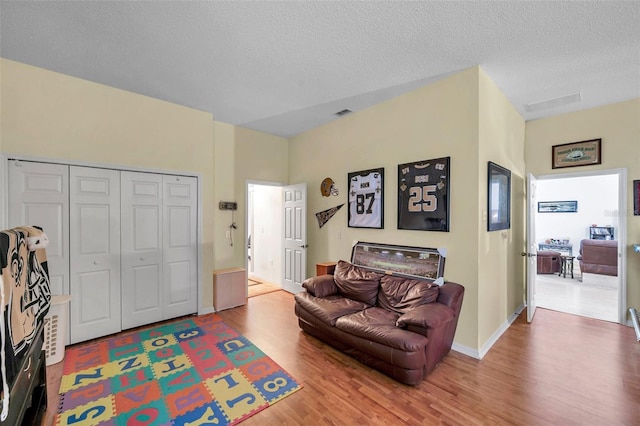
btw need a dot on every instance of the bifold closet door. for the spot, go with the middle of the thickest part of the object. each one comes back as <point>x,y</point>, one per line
<point>39,195</point>
<point>141,238</point>
<point>95,252</point>
<point>179,249</point>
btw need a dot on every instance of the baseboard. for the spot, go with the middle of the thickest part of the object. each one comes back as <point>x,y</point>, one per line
<point>479,354</point>
<point>465,350</point>
<point>205,311</point>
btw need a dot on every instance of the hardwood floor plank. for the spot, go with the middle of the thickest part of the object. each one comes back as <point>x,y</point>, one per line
<point>561,369</point>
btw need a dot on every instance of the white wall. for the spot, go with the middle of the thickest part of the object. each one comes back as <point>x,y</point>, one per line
<point>597,198</point>
<point>267,233</point>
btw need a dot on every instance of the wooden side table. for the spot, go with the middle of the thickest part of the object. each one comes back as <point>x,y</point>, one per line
<point>325,268</point>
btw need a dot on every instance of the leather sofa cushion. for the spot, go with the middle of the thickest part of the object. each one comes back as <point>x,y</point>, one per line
<point>328,309</point>
<point>379,325</point>
<point>400,294</point>
<point>320,286</point>
<point>357,283</point>
<point>432,315</point>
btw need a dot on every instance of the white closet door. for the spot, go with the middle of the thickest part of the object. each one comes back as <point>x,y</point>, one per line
<point>179,248</point>
<point>95,252</point>
<point>141,242</point>
<point>39,195</point>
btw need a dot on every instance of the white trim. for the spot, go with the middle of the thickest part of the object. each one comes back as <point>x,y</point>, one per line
<point>479,354</point>
<point>622,233</point>
<point>206,311</point>
<point>245,258</point>
<point>4,184</point>
<point>4,194</point>
<point>121,167</point>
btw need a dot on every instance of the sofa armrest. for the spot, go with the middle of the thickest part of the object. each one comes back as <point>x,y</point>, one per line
<point>431,315</point>
<point>320,286</point>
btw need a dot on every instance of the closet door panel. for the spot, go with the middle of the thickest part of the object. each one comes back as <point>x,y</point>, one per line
<point>39,195</point>
<point>95,252</point>
<point>141,248</point>
<point>180,246</point>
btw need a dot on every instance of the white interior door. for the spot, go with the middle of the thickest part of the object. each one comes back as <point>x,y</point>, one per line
<point>179,250</point>
<point>531,248</point>
<point>294,237</point>
<point>39,195</point>
<point>141,245</point>
<point>95,252</point>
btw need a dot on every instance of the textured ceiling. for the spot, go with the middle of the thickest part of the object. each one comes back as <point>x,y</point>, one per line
<point>285,67</point>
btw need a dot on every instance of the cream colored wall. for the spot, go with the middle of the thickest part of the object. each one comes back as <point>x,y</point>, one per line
<point>618,125</point>
<point>259,157</point>
<point>51,115</point>
<point>500,266</point>
<point>435,121</point>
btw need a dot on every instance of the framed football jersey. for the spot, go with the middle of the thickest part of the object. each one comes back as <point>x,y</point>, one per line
<point>423,195</point>
<point>366,199</point>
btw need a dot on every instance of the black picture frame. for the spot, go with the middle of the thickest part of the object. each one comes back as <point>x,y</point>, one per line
<point>366,199</point>
<point>498,197</point>
<point>423,195</point>
<point>636,197</point>
<point>557,206</point>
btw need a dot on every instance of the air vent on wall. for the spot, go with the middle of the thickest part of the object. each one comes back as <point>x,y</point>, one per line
<point>343,112</point>
<point>553,103</point>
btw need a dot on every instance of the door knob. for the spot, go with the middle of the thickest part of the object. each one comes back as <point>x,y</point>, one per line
<point>304,246</point>
<point>95,262</point>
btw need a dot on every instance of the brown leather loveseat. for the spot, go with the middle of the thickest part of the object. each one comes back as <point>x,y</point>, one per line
<point>599,257</point>
<point>400,326</point>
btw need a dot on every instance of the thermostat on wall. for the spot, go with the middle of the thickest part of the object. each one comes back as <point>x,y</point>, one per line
<point>228,205</point>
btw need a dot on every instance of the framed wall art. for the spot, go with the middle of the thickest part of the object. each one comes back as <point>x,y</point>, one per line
<point>423,195</point>
<point>636,197</point>
<point>366,199</point>
<point>557,207</point>
<point>413,262</point>
<point>584,153</point>
<point>499,198</point>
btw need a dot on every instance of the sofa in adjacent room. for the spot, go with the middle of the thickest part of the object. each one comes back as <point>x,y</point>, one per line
<point>400,326</point>
<point>599,257</point>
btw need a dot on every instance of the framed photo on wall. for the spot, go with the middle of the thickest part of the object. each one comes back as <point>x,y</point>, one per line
<point>636,197</point>
<point>423,195</point>
<point>499,198</point>
<point>584,153</point>
<point>366,199</point>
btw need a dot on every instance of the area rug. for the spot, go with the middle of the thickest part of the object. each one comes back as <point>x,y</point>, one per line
<point>194,371</point>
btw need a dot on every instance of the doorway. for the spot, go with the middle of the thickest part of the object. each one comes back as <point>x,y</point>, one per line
<point>569,285</point>
<point>264,241</point>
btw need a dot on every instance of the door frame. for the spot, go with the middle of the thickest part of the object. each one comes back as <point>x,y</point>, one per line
<point>622,233</point>
<point>4,201</point>
<point>246,217</point>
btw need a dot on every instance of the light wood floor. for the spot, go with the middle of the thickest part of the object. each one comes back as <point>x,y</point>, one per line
<point>596,297</point>
<point>258,287</point>
<point>560,370</point>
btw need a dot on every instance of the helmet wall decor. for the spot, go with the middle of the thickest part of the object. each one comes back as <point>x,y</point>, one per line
<point>328,187</point>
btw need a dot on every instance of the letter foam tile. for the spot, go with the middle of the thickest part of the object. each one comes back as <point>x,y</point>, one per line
<point>195,371</point>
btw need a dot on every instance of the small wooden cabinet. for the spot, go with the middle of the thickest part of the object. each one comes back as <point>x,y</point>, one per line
<point>229,288</point>
<point>325,268</point>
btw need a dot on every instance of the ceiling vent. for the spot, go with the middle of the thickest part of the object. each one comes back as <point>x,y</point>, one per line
<point>343,112</point>
<point>553,103</point>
